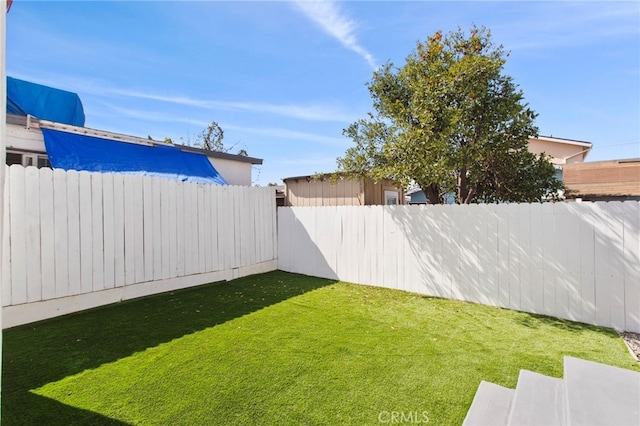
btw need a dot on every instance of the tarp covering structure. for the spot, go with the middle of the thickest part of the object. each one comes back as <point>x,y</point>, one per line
<point>47,103</point>
<point>71,151</point>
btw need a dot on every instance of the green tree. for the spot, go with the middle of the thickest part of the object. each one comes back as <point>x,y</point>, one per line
<point>452,122</point>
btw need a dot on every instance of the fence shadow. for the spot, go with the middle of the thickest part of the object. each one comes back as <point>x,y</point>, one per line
<point>570,261</point>
<point>43,352</point>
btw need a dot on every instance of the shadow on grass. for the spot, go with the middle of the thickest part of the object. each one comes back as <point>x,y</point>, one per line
<point>39,353</point>
<point>536,320</point>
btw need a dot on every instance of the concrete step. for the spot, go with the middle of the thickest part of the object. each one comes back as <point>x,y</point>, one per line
<point>538,400</point>
<point>599,394</point>
<point>490,405</point>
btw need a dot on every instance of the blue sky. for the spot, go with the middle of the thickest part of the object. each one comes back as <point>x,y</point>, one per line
<point>284,78</point>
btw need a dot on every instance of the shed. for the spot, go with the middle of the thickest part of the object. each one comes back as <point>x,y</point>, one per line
<point>338,190</point>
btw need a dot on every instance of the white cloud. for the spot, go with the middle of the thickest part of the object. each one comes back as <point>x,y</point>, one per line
<point>328,15</point>
<point>272,132</point>
<point>305,112</point>
<point>291,135</point>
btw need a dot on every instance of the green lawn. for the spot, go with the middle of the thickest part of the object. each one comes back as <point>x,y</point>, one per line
<point>280,349</point>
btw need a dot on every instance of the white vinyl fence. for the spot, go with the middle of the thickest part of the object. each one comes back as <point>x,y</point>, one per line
<point>579,261</point>
<point>75,240</point>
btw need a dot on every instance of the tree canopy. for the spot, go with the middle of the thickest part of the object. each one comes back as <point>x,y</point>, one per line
<point>450,121</point>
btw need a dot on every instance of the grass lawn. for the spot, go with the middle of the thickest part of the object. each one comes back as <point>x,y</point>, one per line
<point>280,349</point>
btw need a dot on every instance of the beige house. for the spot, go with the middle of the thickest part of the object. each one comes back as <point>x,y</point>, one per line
<point>561,151</point>
<point>603,180</point>
<point>340,191</point>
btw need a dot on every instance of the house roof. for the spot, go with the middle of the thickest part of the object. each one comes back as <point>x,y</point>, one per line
<point>564,141</point>
<point>221,155</point>
<point>73,151</point>
<point>31,122</point>
<point>321,176</point>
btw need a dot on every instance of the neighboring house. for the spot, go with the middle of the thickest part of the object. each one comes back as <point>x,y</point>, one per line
<point>58,139</point>
<point>603,180</point>
<point>562,152</point>
<point>340,191</point>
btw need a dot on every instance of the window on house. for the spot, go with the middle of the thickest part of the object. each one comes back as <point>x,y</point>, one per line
<point>43,161</point>
<point>13,158</point>
<point>27,160</point>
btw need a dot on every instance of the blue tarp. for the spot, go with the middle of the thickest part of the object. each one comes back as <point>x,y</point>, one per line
<point>70,151</point>
<point>47,103</point>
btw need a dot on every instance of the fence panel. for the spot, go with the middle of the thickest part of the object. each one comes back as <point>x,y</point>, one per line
<point>573,261</point>
<point>74,233</point>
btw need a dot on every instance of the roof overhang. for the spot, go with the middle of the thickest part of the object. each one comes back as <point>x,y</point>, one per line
<point>563,141</point>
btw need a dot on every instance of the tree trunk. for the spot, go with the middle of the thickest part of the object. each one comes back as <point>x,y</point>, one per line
<point>433,193</point>
<point>463,190</point>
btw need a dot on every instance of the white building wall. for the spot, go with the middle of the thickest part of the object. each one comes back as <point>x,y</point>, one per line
<point>19,137</point>
<point>234,172</point>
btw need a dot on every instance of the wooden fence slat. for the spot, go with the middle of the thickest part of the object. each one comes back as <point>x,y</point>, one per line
<point>17,212</point>
<point>603,274</point>
<point>32,219</point>
<point>47,236</point>
<point>537,259</point>
<point>502,218</point>
<point>631,249</point>
<point>572,269</point>
<point>616,290</point>
<point>524,257</point>
<point>148,227</point>
<point>158,240</point>
<point>108,223</point>
<point>73,233</point>
<point>61,232</point>
<point>6,248</point>
<point>208,228</point>
<point>187,236</point>
<point>440,285</point>
<point>180,235</point>
<point>173,230</point>
<point>237,234</point>
<point>587,262</point>
<point>97,232</point>
<point>138,229</point>
<point>86,243</point>
<point>550,271</point>
<point>129,231</point>
<point>225,228</point>
<point>118,230</point>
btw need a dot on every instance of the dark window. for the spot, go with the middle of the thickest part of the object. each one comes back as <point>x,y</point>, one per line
<point>43,161</point>
<point>13,158</point>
